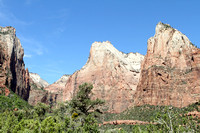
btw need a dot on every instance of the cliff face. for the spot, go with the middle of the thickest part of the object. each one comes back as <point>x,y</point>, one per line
<point>41,91</point>
<point>12,68</point>
<point>39,82</point>
<point>114,75</point>
<point>59,85</point>
<point>170,70</point>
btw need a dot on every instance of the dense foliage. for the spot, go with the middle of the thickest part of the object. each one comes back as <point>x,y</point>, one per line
<point>17,116</point>
<point>167,119</point>
<point>80,115</point>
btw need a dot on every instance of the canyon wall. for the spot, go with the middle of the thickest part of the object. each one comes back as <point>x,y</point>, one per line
<point>170,72</point>
<point>114,76</point>
<point>12,68</point>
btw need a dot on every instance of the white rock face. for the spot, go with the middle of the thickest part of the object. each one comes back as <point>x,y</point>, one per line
<point>38,80</point>
<point>132,61</point>
<point>12,41</point>
<point>169,42</point>
<point>62,80</point>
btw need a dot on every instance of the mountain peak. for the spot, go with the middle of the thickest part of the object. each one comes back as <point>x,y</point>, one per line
<point>161,26</point>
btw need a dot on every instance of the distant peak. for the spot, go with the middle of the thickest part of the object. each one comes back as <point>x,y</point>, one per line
<point>161,26</point>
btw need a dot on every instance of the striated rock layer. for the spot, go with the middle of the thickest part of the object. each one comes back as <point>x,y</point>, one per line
<point>12,68</point>
<point>41,91</point>
<point>170,72</point>
<point>114,75</point>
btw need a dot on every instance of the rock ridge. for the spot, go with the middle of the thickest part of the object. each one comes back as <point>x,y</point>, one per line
<point>170,70</point>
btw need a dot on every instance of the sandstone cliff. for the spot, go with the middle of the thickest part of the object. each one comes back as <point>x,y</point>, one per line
<point>170,72</point>
<point>41,91</point>
<point>59,85</point>
<point>39,82</point>
<point>12,68</point>
<point>114,75</point>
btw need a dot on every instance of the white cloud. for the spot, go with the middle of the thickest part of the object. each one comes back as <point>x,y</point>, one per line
<point>27,56</point>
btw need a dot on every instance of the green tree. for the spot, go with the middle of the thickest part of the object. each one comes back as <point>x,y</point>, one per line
<point>82,104</point>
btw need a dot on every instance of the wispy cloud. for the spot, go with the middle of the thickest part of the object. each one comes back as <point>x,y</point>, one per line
<point>27,56</point>
<point>54,71</point>
<point>61,16</point>
<point>32,47</point>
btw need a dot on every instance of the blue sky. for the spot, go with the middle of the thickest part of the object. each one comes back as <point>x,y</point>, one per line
<point>57,34</point>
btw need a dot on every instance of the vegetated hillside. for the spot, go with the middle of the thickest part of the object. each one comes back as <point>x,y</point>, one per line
<point>16,115</point>
<point>12,101</point>
<point>181,119</point>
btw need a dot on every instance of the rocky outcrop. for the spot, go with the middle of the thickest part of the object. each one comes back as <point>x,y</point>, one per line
<point>126,122</point>
<point>59,85</point>
<point>42,92</point>
<point>38,81</point>
<point>114,75</point>
<point>170,70</point>
<point>12,68</point>
<point>37,92</point>
<point>42,96</point>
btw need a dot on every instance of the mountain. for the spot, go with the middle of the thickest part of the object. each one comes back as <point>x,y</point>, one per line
<point>40,83</point>
<point>170,70</point>
<point>59,85</point>
<point>12,68</point>
<point>41,91</point>
<point>114,75</point>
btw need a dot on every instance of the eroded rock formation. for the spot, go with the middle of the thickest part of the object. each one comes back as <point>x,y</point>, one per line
<point>12,68</point>
<point>170,72</point>
<point>41,91</point>
<point>114,75</point>
<point>39,82</point>
<point>59,85</point>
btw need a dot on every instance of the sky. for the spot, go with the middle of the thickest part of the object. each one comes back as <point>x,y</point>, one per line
<point>57,34</point>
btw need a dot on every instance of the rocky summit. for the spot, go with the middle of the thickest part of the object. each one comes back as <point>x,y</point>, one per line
<point>170,70</point>
<point>114,75</point>
<point>39,82</point>
<point>12,68</point>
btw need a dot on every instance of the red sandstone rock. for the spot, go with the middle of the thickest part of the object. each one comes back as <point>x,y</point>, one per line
<point>59,85</point>
<point>127,122</point>
<point>12,68</point>
<point>114,75</point>
<point>170,72</point>
<point>194,114</point>
<point>37,92</point>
